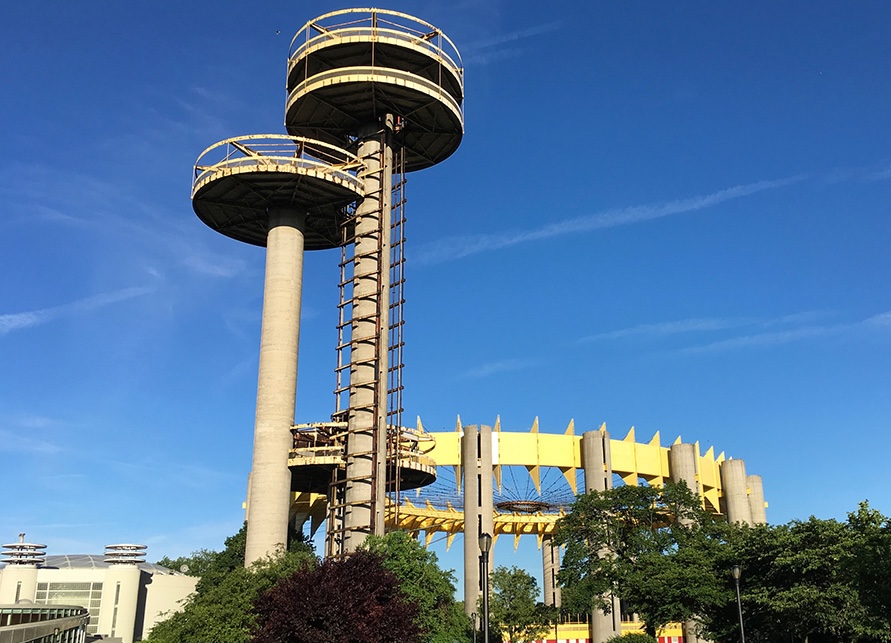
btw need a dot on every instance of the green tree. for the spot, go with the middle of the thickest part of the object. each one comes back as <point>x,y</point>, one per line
<point>513,607</point>
<point>423,582</point>
<point>871,561</point>
<point>206,563</point>
<point>221,609</point>
<point>799,582</point>
<point>653,547</point>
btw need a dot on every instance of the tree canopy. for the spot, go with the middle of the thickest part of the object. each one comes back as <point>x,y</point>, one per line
<point>513,605</point>
<point>423,582</point>
<point>805,579</point>
<point>356,600</point>
<point>229,599</point>
<point>669,561</point>
<point>221,610</point>
<point>650,546</point>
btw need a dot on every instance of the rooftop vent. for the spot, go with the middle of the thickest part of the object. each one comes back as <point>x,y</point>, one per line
<point>22,553</point>
<point>125,554</point>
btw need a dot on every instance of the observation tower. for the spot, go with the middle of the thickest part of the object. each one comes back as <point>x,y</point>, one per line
<point>372,94</point>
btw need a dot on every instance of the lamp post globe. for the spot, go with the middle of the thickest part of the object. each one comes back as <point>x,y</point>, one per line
<point>736,572</point>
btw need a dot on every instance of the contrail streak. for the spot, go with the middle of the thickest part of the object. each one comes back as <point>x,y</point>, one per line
<point>452,248</point>
<point>19,321</point>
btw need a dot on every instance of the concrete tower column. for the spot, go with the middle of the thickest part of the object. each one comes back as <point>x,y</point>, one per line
<point>472,527</point>
<point>599,477</point>
<point>120,599</point>
<point>487,491</point>
<point>736,497</point>
<point>479,511</point>
<point>682,465</point>
<point>267,514</point>
<point>550,559</point>
<point>756,500</point>
<point>367,441</point>
<point>596,461</point>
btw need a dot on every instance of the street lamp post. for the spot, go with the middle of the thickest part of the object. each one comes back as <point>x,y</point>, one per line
<point>473,620</point>
<point>485,546</point>
<point>737,572</point>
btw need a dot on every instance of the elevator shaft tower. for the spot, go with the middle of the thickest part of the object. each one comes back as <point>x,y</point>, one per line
<point>390,87</point>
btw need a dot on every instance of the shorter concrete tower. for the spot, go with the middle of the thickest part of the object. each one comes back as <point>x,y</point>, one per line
<point>19,579</point>
<point>120,594</point>
<point>289,194</point>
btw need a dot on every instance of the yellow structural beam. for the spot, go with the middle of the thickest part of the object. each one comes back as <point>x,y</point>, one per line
<point>630,459</point>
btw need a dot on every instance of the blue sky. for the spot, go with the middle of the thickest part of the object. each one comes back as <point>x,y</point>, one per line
<point>667,215</point>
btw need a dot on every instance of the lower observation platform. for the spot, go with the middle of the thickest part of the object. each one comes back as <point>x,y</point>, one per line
<point>319,449</point>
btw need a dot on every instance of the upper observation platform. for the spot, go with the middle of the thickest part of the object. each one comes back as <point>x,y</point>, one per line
<point>348,68</point>
<point>237,180</point>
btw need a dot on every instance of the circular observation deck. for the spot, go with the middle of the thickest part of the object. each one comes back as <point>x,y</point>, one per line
<point>237,180</point>
<point>318,449</point>
<point>348,68</point>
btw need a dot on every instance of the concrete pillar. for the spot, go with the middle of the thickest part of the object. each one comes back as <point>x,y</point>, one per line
<point>365,494</point>
<point>735,490</point>
<point>596,461</point>
<point>599,477</point>
<point>18,582</point>
<point>550,559</point>
<point>120,599</point>
<point>487,492</point>
<point>267,511</point>
<point>756,500</point>
<point>472,526</point>
<point>682,465</point>
<point>479,511</point>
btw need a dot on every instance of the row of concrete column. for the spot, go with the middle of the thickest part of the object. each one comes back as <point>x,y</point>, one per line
<point>743,501</point>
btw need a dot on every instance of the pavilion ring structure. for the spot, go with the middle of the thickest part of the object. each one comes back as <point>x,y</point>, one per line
<point>428,455</point>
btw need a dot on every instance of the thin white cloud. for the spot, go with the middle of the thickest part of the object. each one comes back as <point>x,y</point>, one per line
<point>35,421</point>
<point>773,338</point>
<point>862,173</point>
<point>13,442</point>
<point>452,248</point>
<point>882,320</point>
<point>668,328</point>
<point>19,321</point>
<point>213,265</point>
<point>879,175</point>
<point>175,474</point>
<point>500,366</point>
<point>488,50</point>
<point>764,339</point>
<point>704,324</point>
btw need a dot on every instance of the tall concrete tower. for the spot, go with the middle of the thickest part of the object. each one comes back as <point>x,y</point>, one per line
<point>391,87</point>
<point>372,94</point>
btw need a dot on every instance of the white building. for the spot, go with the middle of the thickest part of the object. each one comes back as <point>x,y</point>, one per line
<point>125,595</point>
